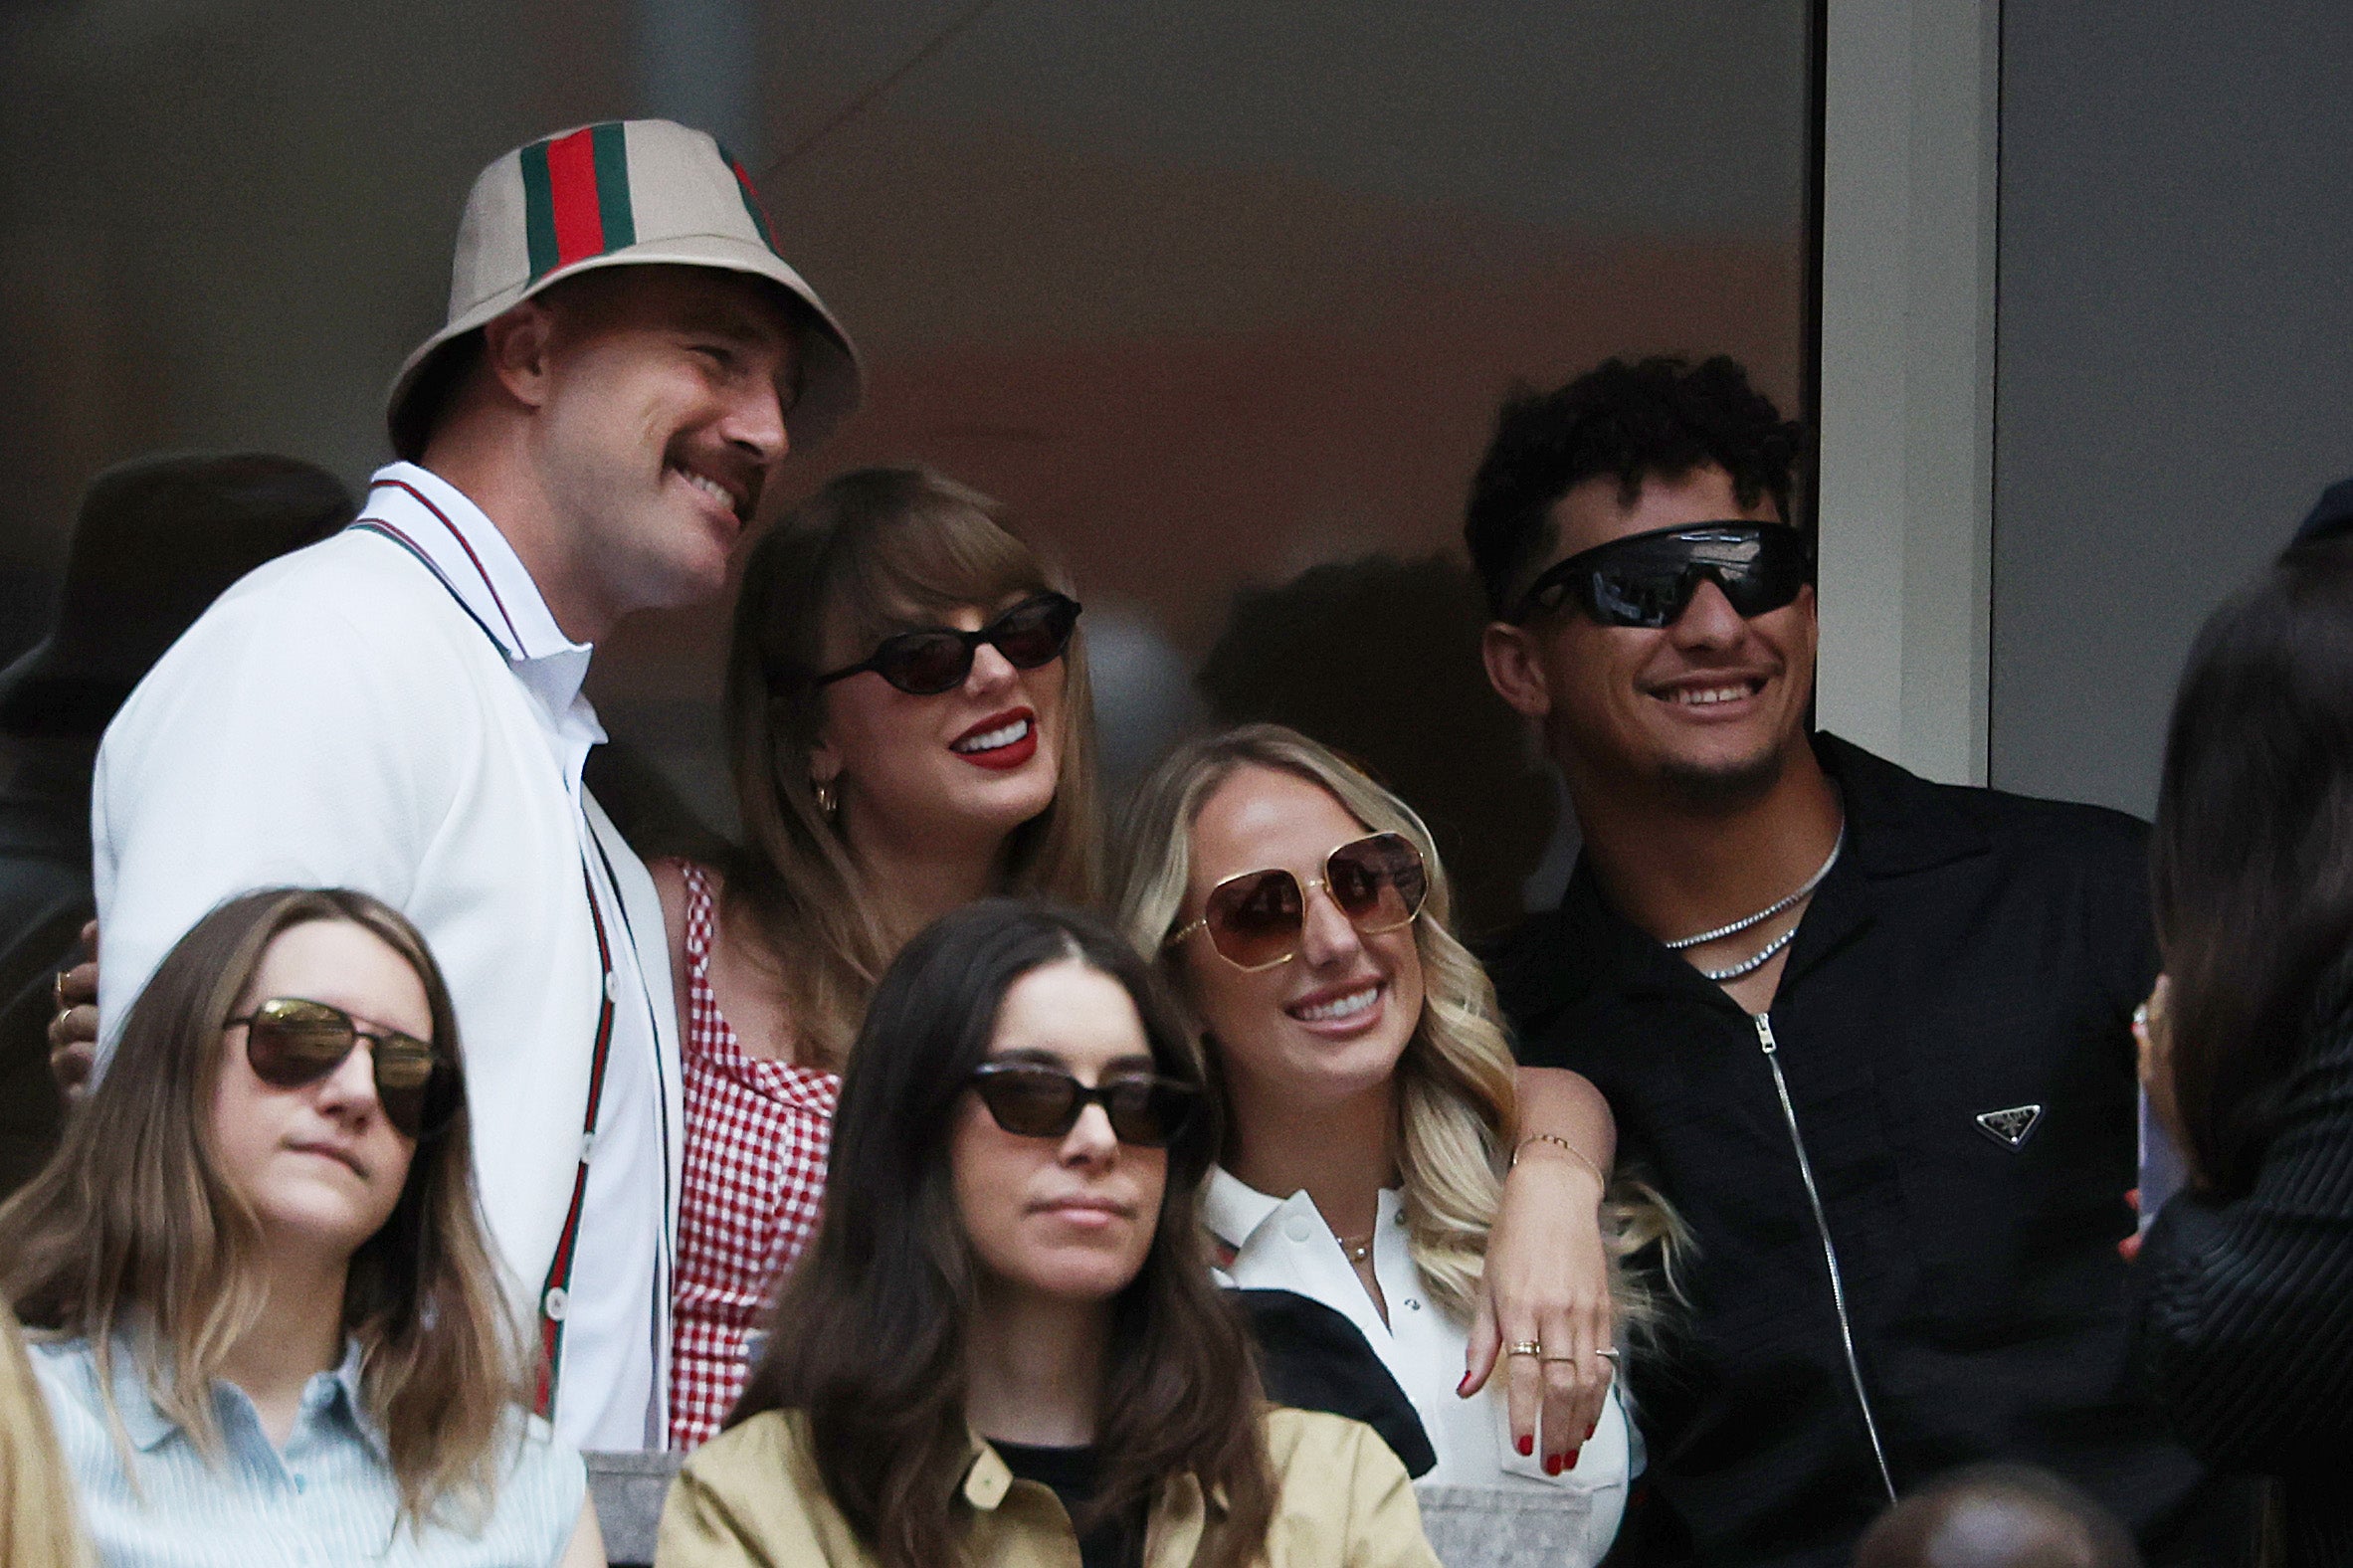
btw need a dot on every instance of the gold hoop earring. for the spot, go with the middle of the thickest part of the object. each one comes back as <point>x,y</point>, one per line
<point>829,800</point>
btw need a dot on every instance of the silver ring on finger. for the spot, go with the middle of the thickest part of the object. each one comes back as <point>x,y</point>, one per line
<point>1608,1355</point>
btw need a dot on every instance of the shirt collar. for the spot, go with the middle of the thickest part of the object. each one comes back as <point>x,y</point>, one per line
<point>1234,1210</point>
<point>146,1425</point>
<point>437,523</point>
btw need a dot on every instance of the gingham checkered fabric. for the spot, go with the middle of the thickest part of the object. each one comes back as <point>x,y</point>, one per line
<point>756,1138</point>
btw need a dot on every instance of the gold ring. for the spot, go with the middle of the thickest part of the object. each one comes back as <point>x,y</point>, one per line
<point>1555,1360</point>
<point>1525,1347</point>
<point>56,989</point>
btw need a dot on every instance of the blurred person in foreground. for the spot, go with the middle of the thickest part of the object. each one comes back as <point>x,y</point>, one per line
<point>399,710</point>
<point>1997,1516</point>
<point>1003,1348</point>
<point>157,539</point>
<point>2248,1273</point>
<point>38,1517</point>
<point>1868,1035</point>
<point>263,1304</point>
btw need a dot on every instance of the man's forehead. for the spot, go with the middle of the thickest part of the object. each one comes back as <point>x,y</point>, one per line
<point>1596,510</point>
<point>696,299</point>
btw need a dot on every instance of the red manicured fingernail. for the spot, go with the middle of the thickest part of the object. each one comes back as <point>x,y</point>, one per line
<point>1589,1431</point>
<point>1527,1446</point>
<point>1552,1463</point>
<point>1462,1387</point>
<point>1573,1452</point>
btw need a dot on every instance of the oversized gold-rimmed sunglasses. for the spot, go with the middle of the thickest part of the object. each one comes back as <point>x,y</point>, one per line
<point>1257,919</point>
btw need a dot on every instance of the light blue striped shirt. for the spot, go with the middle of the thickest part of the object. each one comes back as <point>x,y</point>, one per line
<point>326,1499</point>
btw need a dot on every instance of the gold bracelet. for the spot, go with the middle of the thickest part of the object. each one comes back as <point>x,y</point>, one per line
<point>1566,1147</point>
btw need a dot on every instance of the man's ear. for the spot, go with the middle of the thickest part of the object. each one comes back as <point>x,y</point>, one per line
<point>1514,671</point>
<point>516,350</point>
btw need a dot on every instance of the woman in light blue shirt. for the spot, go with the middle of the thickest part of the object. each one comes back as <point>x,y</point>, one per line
<point>264,1315</point>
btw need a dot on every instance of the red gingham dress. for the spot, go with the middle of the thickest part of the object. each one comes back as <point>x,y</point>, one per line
<point>756,1138</point>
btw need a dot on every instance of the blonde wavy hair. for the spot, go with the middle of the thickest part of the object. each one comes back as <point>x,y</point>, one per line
<point>1457,1099</point>
<point>37,1515</point>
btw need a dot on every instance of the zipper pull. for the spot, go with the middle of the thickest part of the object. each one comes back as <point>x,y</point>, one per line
<point>1765,1038</point>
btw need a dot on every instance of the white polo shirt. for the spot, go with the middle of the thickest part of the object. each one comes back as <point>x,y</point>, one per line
<point>1284,1244</point>
<point>395,711</point>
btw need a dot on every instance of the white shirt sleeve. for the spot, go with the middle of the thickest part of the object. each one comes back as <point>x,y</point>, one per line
<point>288,740</point>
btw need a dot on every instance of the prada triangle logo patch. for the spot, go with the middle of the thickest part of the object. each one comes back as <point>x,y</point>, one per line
<point>2010,1128</point>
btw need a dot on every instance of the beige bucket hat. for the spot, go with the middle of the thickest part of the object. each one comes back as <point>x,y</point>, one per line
<point>614,194</point>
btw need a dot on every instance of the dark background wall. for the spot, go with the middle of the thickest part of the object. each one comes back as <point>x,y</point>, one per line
<point>2175,374</point>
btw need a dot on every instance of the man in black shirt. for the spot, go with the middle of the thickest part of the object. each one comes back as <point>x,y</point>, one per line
<point>1870,1035</point>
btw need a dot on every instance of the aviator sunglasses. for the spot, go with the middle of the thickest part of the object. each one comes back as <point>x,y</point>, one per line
<point>291,1043</point>
<point>938,658</point>
<point>1032,1101</point>
<point>1256,919</point>
<point>1647,580</point>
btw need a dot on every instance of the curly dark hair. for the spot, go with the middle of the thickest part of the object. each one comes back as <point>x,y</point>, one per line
<point>1660,418</point>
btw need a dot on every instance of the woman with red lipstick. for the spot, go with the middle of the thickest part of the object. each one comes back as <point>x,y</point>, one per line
<point>1004,1349</point>
<point>909,730</point>
<point>263,1303</point>
<point>1372,1119</point>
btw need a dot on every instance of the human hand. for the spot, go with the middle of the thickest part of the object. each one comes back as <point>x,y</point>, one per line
<point>1547,1284</point>
<point>73,1028</point>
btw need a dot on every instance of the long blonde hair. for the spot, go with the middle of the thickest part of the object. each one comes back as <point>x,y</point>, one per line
<point>37,1515</point>
<point>872,551</point>
<point>132,1234</point>
<point>1456,1100</point>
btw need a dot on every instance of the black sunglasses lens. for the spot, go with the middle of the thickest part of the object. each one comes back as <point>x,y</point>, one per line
<point>1033,634</point>
<point>1147,1112</point>
<point>1639,593</point>
<point>924,664</point>
<point>1030,1102</point>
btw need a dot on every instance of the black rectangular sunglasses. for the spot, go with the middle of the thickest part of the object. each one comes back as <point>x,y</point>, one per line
<point>1032,1101</point>
<point>1648,579</point>
<point>1031,634</point>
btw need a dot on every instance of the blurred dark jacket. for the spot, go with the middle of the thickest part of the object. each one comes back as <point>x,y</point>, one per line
<point>2247,1306</point>
<point>157,539</point>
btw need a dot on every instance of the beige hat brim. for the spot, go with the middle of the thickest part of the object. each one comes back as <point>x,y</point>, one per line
<point>833,382</point>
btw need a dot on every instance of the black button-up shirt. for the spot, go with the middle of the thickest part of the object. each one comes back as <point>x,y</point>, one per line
<point>1971,954</point>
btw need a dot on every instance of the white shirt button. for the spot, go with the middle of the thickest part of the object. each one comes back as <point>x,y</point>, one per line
<point>1300,1228</point>
<point>555,1303</point>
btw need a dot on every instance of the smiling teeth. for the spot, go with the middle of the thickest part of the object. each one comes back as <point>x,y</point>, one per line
<point>1710,695</point>
<point>711,487</point>
<point>990,740</point>
<point>1347,1006</point>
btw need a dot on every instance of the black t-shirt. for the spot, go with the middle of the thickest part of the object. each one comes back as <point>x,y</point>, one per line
<point>1116,1543</point>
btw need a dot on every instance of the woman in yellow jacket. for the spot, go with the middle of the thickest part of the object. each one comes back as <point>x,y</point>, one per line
<point>1004,1346</point>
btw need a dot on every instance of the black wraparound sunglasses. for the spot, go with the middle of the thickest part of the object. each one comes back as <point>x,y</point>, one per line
<point>291,1042</point>
<point>938,658</point>
<point>1648,579</point>
<point>1032,1101</point>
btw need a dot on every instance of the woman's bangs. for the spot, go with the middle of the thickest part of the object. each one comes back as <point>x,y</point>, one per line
<point>928,563</point>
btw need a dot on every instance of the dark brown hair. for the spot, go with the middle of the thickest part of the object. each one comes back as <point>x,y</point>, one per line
<point>877,550</point>
<point>133,1230</point>
<point>2253,855</point>
<point>869,1333</point>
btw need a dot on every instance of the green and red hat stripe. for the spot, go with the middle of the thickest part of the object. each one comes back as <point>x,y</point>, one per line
<point>751,198</point>
<point>576,196</point>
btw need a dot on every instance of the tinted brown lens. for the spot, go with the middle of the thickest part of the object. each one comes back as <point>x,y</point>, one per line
<point>1032,635</point>
<point>924,664</point>
<point>1255,919</point>
<point>1033,1104</point>
<point>1378,883</point>
<point>290,1047</point>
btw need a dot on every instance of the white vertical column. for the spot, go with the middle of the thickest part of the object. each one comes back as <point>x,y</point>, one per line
<point>1910,142</point>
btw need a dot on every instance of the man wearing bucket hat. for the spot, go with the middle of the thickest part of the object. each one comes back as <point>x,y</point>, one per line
<point>626,361</point>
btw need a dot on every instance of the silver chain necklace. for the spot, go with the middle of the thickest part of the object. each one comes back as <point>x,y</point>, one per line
<point>1763,956</point>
